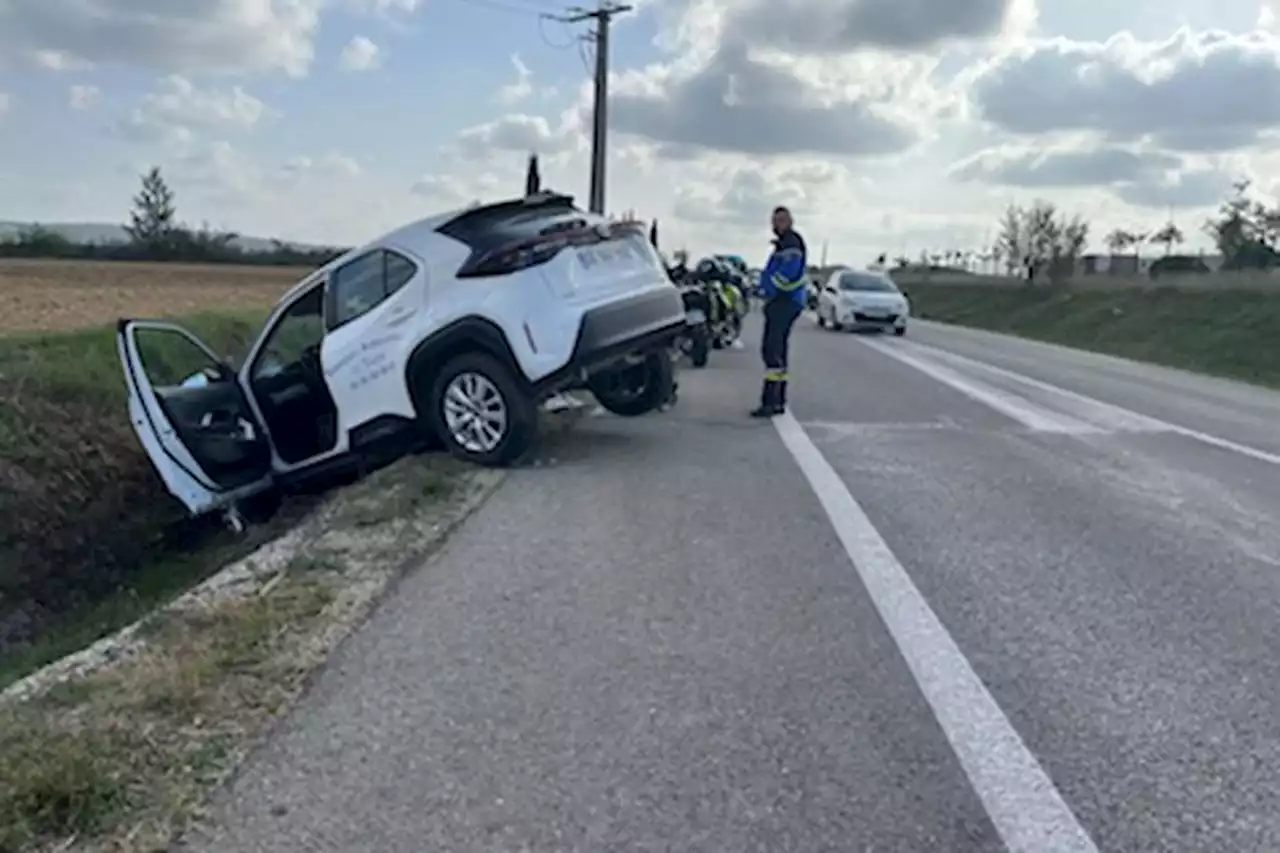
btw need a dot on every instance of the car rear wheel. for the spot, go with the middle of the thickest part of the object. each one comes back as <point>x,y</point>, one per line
<point>899,330</point>
<point>636,389</point>
<point>480,411</point>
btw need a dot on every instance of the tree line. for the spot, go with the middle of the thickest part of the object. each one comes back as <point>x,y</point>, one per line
<point>1038,241</point>
<point>156,234</point>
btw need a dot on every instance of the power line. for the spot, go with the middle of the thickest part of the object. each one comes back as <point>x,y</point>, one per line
<point>603,16</point>
<point>583,52</point>
<point>542,19</point>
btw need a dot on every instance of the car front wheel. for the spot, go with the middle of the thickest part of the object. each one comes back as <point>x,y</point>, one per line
<point>636,389</point>
<point>481,412</point>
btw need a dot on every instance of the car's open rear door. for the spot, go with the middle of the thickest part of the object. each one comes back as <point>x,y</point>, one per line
<point>192,416</point>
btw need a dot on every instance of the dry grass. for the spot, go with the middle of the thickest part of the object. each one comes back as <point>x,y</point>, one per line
<point>122,758</point>
<point>141,743</point>
<point>43,296</point>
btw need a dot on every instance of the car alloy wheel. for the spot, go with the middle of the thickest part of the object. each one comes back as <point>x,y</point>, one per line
<point>475,412</point>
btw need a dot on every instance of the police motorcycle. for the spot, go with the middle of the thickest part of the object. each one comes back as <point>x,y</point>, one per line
<point>698,313</point>
<point>727,299</point>
<point>740,277</point>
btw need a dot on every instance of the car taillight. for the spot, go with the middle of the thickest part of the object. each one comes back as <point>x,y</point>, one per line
<point>537,250</point>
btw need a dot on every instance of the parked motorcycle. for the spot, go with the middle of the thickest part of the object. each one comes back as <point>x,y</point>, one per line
<point>727,300</point>
<point>699,313</point>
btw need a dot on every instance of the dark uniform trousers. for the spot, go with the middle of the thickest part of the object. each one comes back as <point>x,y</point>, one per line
<point>780,315</point>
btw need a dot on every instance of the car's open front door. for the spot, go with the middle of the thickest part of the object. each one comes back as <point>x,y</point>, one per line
<point>192,416</point>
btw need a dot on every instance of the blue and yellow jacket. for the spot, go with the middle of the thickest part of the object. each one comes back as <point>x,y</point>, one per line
<point>784,274</point>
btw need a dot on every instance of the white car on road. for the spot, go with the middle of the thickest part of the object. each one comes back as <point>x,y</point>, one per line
<point>453,329</point>
<point>862,299</point>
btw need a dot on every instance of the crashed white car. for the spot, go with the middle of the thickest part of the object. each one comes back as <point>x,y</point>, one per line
<point>453,329</point>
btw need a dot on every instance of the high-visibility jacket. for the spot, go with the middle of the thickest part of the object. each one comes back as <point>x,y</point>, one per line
<point>784,273</point>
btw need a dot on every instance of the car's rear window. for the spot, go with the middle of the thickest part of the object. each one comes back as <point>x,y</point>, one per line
<point>483,228</point>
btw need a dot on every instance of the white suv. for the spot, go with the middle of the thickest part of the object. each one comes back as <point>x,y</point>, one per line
<point>452,329</point>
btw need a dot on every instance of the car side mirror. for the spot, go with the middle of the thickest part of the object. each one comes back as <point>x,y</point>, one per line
<point>904,294</point>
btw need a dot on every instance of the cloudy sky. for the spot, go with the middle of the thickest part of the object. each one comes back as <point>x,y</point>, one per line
<point>887,125</point>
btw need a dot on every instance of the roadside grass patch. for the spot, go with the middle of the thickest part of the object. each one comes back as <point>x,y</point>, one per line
<point>142,741</point>
<point>123,757</point>
<point>1234,333</point>
<point>89,538</point>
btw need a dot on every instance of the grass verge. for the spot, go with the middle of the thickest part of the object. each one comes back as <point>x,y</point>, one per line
<point>1230,333</point>
<point>123,756</point>
<point>88,536</point>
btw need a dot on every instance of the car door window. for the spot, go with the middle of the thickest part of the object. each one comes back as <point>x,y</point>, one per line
<point>171,359</point>
<point>361,285</point>
<point>203,404</point>
<point>295,339</point>
<point>399,270</point>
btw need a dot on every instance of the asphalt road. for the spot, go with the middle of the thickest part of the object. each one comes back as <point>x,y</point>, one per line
<point>975,594</point>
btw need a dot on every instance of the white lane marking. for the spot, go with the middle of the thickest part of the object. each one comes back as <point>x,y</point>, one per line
<point>1154,424</point>
<point>1024,806</point>
<point>1017,408</point>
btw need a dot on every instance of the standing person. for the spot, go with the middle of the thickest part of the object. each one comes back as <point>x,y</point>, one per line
<point>783,285</point>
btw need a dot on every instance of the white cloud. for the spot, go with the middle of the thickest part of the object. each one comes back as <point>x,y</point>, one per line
<point>211,35</point>
<point>180,108</point>
<point>889,125</point>
<point>360,54</point>
<point>519,134</point>
<point>53,60</point>
<point>1269,16</point>
<point>331,164</point>
<point>522,87</point>
<point>83,97</point>
<point>1140,176</point>
<point>1194,91</point>
<point>384,7</point>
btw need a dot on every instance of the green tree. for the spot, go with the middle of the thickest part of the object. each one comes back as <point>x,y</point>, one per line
<point>1011,242</point>
<point>1168,236</point>
<point>1245,231</point>
<point>153,220</point>
<point>1119,240</point>
<point>1043,237</point>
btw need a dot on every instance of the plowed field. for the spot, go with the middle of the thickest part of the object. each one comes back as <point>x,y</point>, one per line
<point>41,296</point>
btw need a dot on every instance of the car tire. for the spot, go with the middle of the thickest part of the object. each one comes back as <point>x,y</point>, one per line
<point>654,387</point>
<point>822,321</point>
<point>899,331</point>
<point>836,326</point>
<point>486,380</point>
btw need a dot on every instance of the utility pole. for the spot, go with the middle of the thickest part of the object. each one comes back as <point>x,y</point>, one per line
<point>603,16</point>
